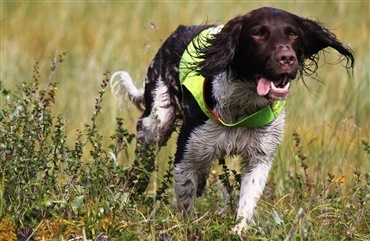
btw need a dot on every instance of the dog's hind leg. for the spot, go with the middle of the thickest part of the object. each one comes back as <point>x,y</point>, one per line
<point>159,103</point>
<point>154,129</point>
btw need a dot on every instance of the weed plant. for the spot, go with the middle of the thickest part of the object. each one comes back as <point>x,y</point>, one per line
<point>45,183</point>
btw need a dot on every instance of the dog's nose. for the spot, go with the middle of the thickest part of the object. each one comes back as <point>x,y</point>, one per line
<point>286,57</point>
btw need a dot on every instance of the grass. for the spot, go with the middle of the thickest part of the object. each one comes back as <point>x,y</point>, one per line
<point>59,180</point>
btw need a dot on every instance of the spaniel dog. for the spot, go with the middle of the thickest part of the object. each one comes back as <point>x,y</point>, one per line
<point>226,87</point>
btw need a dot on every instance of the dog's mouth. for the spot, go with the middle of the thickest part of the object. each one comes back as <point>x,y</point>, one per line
<point>274,89</point>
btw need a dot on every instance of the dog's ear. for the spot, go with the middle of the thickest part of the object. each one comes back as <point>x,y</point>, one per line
<point>222,48</point>
<point>316,38</point>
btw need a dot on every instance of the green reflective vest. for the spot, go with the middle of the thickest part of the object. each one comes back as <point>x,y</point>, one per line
<point>194,82</point>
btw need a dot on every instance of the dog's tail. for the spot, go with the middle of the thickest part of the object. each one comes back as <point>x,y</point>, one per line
<point>124,85</point>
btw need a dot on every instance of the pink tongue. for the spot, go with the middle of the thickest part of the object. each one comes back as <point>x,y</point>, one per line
<point>263,86</point>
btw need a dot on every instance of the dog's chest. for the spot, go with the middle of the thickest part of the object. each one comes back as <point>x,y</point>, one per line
<point>213,140</point>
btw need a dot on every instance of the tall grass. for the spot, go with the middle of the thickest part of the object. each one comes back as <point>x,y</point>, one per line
<point>331,116</point>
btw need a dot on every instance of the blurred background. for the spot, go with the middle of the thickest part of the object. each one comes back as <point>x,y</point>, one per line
<point>331,116</point>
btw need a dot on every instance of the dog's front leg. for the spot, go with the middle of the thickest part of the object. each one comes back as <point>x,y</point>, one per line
<point>252,184</point>
<point>190,180</point>
<point>185,187</point>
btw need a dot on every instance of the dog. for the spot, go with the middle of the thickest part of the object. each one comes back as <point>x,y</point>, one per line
<point>226,87</point>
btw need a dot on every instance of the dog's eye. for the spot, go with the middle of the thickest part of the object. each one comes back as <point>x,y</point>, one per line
<point>259,35</point>
<point>293,35</point>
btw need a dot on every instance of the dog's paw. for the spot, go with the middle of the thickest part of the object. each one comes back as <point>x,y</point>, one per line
<point>240,228</point>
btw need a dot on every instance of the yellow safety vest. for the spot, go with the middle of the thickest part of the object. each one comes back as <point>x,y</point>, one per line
<point>194,82</point>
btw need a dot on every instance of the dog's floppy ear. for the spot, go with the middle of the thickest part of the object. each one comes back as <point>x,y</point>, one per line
<point>221,51</point>
<point>316,38</point>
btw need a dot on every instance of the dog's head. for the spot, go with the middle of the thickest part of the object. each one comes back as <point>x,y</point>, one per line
<point>270,47</point>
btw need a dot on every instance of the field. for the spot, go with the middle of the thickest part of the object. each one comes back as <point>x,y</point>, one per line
<point>319,185</point>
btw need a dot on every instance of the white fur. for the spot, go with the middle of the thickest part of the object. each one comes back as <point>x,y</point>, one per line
<point>237,99</point>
